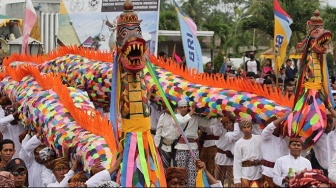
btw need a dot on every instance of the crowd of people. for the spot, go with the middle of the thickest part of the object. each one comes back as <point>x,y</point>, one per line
<point>27,162</point>
<point>237,152</point>
<point>233,152</point>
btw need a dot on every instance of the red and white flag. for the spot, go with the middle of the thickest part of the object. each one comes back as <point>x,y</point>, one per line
<point>29,21</point>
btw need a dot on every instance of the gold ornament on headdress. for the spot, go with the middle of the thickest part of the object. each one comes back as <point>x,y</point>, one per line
<point>128,16</point>
<point>314,21</point>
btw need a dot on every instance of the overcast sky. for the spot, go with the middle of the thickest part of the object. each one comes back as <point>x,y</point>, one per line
<point>331,2</point>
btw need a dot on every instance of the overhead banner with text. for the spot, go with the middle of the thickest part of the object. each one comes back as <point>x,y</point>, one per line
<point>92,23</point>
<point>191,46</point>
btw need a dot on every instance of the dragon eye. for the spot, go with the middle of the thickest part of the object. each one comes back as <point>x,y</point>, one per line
<point>124,33</point>
<point>138,31</point>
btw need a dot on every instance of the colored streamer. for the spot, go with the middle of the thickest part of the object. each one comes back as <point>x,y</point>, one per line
<point>201,179</point>
<point>130,163</point>
<point>143,158</point>
<point>156,81</point>
<point>114,112</point>
<point>124,168</point>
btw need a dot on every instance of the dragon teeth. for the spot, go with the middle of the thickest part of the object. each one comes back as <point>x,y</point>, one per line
<point>128,50</point>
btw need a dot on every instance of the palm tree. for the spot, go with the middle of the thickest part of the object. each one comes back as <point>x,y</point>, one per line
<point>329,17</point>
<point>263,16</point>
<point>217,22</point>
<point>168,17</point>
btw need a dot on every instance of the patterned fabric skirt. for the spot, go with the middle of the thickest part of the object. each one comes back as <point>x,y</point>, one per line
<point>224,174</point>
<point>208,155</point>
<point>267,181</point>
<point>166,158</point>
<point>250,183</point>
<point>184,159</point>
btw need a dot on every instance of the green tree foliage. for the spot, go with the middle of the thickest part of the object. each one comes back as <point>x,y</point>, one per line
<point>169,21</point>
<point>263,16</point>
<point>218,61</point>
<point>217,23</point>
<point>227,17</point>
<point>330,63</point>
<point>168,18</point>
<point>329,17</point>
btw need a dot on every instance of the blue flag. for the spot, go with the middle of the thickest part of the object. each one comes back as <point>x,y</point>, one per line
<point>191,46</point>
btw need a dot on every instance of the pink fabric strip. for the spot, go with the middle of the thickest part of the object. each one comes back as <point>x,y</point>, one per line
<point>130,163</point>
<point>320,117</point>
<point>289,124</point>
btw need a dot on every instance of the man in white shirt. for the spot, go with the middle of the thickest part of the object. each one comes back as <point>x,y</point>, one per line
<point>11,127</point>
<point>247,156</point>
<point>38,173</point>
<point>325,147</point>
<point>208,149</point>
<point>228,131</point>
<point>47,155</point>
<point>62,172</point>
<point>273,146</point>
<point>155,113</point>
<point>183,157</point>
<point>332,170</point>
<point>164,137</point>
<point>285,167</point>
<point>155,109</point>
<point>101,178</point>
<point>252,65</point>
<point>2,112</point>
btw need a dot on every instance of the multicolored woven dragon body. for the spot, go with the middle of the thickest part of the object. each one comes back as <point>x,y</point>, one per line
<point>42,107</point>
<point>71,124</point>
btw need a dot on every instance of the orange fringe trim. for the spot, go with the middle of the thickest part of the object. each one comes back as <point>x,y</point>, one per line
<point>94,123</point>
<point>61,51</point>
<point>218,81</point>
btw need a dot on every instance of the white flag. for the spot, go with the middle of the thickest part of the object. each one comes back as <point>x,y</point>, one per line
<point>29,21</point>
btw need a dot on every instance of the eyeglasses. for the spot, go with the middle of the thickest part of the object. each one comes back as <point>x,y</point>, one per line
<point>22,173</point>
<point>183,107</point>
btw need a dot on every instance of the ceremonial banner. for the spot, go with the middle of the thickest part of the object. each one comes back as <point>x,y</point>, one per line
<point>191,46</point>
<point>282,33</point>
<point>29,21</point>
<point>92,23</point>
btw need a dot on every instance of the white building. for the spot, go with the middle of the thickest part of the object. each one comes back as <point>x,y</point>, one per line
<point>47,13</point>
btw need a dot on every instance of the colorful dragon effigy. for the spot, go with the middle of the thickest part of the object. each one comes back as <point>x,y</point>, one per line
<point>308,119</point>
<point>119,83</point>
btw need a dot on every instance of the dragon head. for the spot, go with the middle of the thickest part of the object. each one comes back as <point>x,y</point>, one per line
<point>317,37</point>
<point>320,40</point>
<point>130,43</point>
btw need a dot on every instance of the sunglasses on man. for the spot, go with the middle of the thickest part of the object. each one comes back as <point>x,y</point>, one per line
<point>22,173</point>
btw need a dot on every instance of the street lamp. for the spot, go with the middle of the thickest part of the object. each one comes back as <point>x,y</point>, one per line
<point>248,16</point>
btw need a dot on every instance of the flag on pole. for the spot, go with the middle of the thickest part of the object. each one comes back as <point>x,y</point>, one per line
<point>177,58</point>
<point>282,33</point>
<point>191,46</point>
<point>29,21</point>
